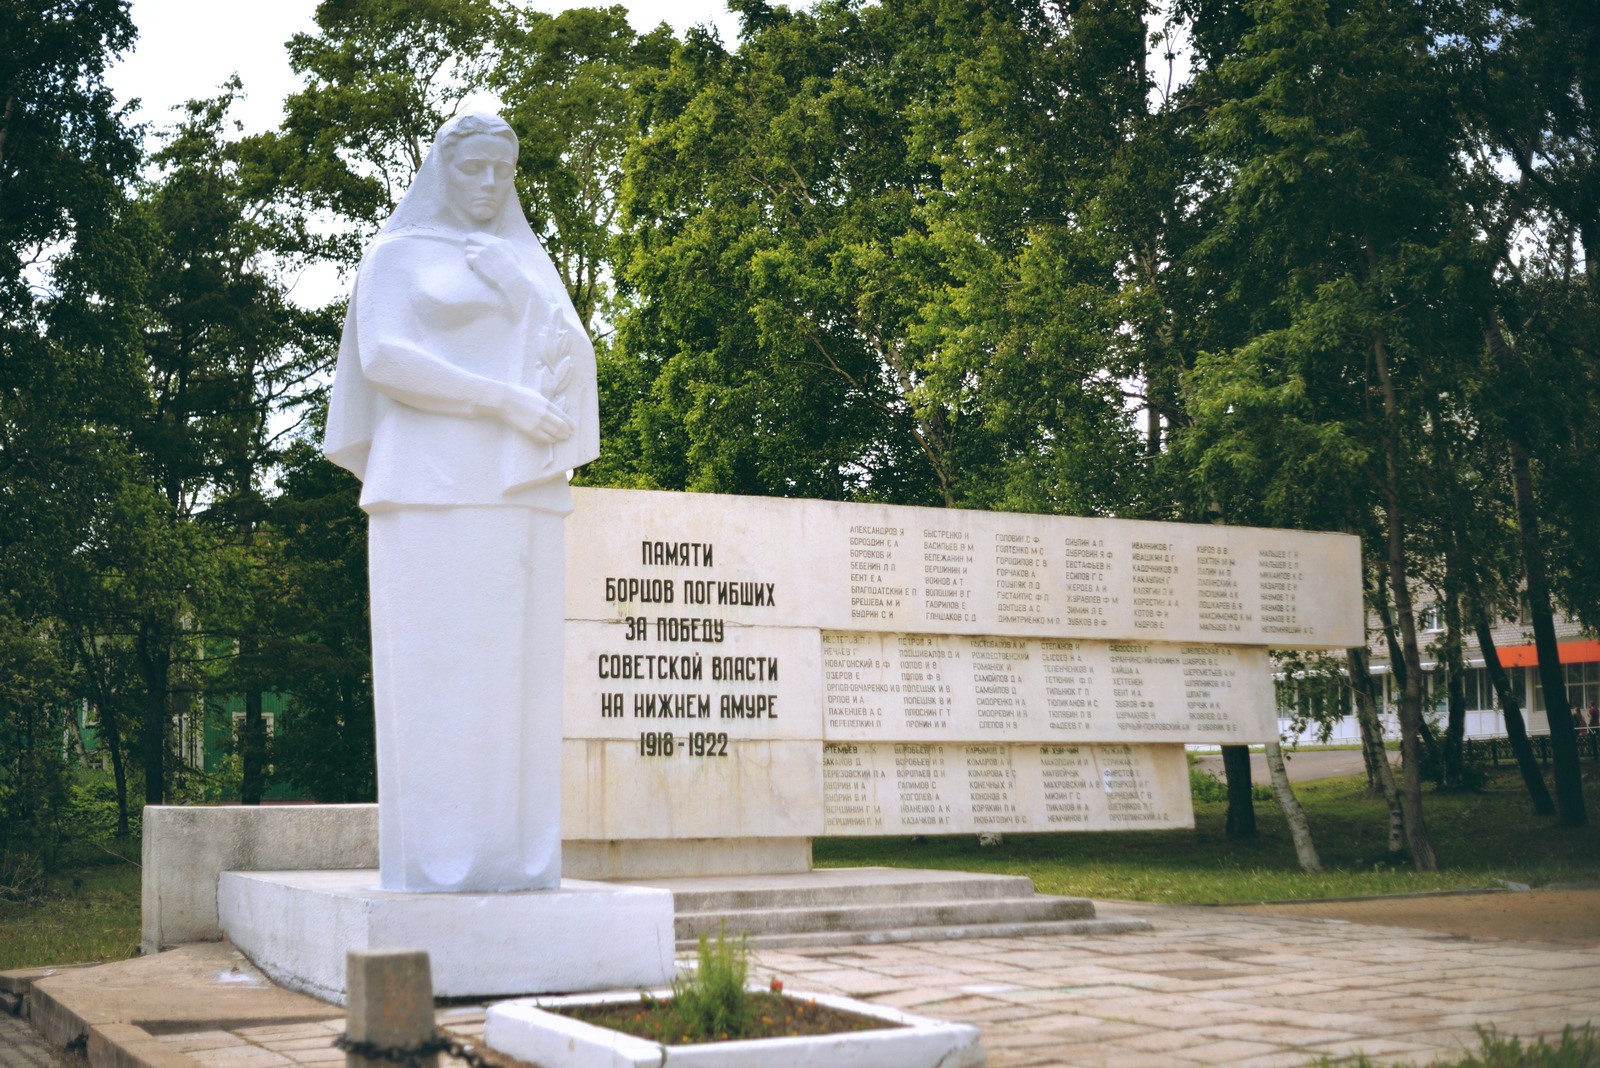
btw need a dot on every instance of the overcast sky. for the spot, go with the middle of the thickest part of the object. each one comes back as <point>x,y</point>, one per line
<point>187,48</point>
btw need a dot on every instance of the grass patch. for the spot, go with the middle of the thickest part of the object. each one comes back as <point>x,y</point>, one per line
<point>1578,1047</point>
<point>1478,837</point>
<point>86,914</point>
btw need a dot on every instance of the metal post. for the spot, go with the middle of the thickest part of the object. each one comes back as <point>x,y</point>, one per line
<point>390,1005</point>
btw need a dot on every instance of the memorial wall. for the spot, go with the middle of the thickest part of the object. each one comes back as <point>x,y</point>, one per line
<point>759,667</point>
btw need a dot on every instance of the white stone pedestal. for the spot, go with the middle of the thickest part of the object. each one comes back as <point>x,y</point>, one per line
<point>296,926</point>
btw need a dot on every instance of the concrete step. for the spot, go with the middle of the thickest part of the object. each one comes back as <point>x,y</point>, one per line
<point>853,916</point>
<point>1034,929</point>
<point>853,906</point>
<point>849,886</point>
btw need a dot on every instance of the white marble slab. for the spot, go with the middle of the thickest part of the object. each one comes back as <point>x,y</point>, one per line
<point>690,787</point>
<point>900,687</point>
<point>861,567</point>
<point>879,788</point>
<point>745,682</point>
<point>297,926</point>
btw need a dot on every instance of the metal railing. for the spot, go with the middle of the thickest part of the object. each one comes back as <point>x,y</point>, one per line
<point>1494,750</point>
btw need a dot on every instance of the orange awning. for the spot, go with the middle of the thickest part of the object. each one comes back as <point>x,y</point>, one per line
<point>1571,653</point>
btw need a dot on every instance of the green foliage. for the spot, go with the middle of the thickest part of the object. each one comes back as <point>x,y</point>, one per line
<point>66,145</point>
<point>570,83</point>
<point>64,153</point>
<point>1206,787</point>
<point>848,244</point>
<point>319,640</point>
<point>710,1002</point>
<point>381,76</point>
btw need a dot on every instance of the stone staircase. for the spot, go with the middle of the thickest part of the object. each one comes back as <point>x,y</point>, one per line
<point>847,906</point>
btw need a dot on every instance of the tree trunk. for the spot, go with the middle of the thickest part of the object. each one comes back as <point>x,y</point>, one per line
<point>253,738</point>
<point>119,776</point>
<point>1511,707</point>
<point>1299,829</point>
<point>253,741</point>
<point>1563,735</point>
<point>75,732</point>
<point>1241,822</point>
<point>154,661</point>
<point>1417,840</point>
<point>111,731</point>
<point>1397,657</point>
<point>1455,730</point>
<point>90,656</point>
<point>1372,743</point>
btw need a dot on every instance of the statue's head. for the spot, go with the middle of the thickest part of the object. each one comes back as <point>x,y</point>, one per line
<point>466,181</point>
<point>479,154</point>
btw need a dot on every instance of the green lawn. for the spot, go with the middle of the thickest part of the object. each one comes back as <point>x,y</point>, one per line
<point>1479,838</point>
<point>89,914</point>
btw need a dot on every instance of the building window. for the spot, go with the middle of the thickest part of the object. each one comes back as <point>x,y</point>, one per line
<point>268,721</point>
<point>1480,691</point>
<point>1583,686</point>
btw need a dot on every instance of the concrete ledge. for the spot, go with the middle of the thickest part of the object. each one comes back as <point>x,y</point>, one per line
<point>297,927</point>
<point>186,848</point>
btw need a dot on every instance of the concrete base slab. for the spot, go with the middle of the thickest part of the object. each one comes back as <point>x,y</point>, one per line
<point>207,986</point>
<point>297,927</point>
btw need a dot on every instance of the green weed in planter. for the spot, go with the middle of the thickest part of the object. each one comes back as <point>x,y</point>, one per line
<point>711,1003</point>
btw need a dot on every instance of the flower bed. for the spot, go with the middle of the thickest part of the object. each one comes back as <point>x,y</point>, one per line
<point>559,1030</point>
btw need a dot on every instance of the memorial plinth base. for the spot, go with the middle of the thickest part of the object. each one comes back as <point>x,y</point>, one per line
<point>297,926</point>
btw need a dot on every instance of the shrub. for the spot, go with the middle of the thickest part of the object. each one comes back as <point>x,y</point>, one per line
<point>1205,786</point>
<point>711,1002</point>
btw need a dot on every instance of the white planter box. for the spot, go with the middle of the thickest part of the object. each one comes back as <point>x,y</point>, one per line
<point>523,1029</point>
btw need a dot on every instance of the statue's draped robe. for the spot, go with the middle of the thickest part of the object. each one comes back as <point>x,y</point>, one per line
<point>466,556</point>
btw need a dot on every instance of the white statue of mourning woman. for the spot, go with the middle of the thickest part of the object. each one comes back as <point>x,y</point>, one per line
<point>465,391</point>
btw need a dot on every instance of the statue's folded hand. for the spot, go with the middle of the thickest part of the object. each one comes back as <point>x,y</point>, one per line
<point>493,259</point>
<point>535,415</point>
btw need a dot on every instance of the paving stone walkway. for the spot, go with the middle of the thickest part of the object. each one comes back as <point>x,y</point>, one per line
<point>1205,986</point>
<point>21,1046</point>
<point>1210,986</point>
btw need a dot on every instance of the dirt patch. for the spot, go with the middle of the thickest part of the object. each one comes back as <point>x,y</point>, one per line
<point>1571,917</point>
<point>771,1016</point>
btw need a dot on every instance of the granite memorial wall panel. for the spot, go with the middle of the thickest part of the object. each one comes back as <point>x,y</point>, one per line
<point>756,667</point>
<point>862,567</point>
<point>992,689</point>
<point>911,788</point>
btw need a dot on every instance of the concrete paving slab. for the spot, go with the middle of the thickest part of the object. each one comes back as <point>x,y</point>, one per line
<point>1202,987</point>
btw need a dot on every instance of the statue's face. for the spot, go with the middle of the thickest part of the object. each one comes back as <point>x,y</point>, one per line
<point>479,175</point>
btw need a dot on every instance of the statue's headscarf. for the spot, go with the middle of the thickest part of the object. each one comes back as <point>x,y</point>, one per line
<point>355,407</point>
